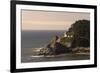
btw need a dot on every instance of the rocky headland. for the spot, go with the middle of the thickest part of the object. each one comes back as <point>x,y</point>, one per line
<point>76,40</point>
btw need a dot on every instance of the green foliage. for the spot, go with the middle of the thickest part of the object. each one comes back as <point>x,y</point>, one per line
<point>65,39</point>
<point>81,31</point>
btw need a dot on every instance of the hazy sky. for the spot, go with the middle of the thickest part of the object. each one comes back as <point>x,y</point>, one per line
<point>48,20</point>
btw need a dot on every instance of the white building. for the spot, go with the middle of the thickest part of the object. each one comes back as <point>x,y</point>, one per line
<point>65,35</point>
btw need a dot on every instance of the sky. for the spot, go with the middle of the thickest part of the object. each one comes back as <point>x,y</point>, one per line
<point>50,20</point>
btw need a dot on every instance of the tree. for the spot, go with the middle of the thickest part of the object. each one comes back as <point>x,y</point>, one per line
<point>81,29</point>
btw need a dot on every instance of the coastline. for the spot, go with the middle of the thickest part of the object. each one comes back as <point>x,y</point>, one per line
<point>37,50</point>
<point>33,57</point>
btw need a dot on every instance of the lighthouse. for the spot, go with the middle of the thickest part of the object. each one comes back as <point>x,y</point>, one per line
<point>65,35</point>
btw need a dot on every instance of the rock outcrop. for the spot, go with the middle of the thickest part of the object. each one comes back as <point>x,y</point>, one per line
<point>54,48</point>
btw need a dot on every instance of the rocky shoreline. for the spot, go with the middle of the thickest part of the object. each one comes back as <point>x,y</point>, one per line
<point>56,48</point>
<point>76,51</point>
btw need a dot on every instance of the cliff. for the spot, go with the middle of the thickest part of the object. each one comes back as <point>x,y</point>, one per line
<point>55,47</point>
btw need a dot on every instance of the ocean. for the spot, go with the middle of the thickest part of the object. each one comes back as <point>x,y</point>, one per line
<point>38,38</point>
<point>31,39</point>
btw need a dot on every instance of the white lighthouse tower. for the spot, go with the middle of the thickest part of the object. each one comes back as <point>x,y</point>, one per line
<point>65,35</point>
